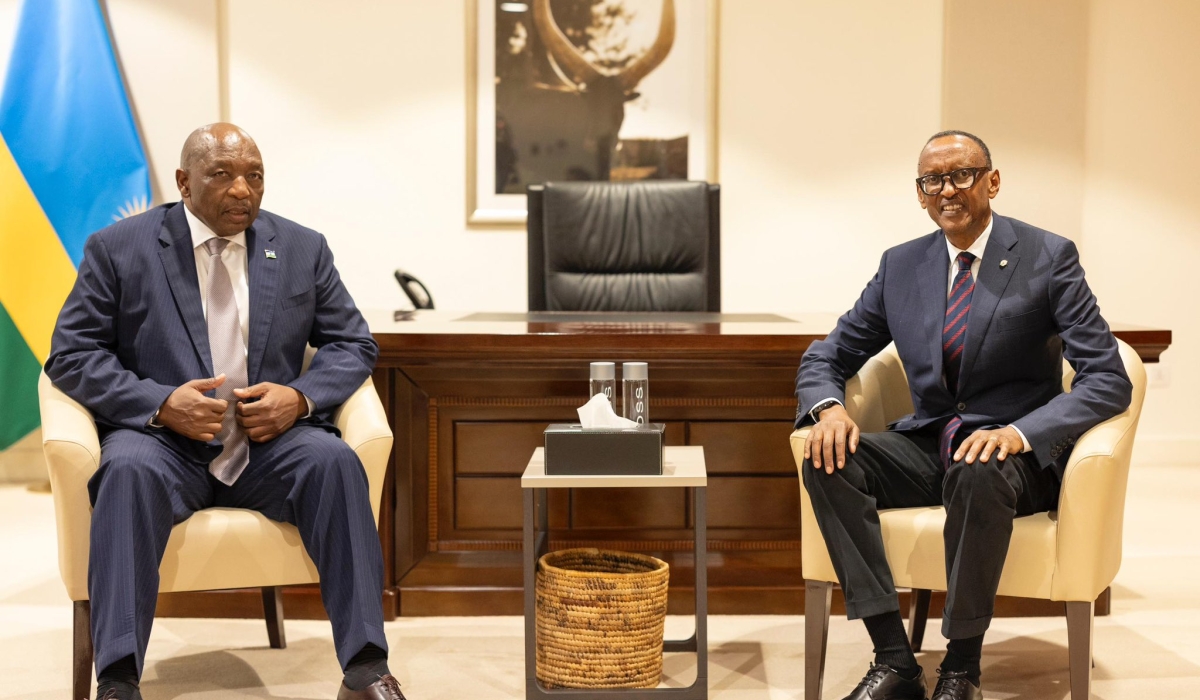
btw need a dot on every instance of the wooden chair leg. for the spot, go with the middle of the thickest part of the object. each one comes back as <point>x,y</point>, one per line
<point>1080,623</point>
<point>918,615</point>
<point>81,662</point>
<point>273,612</point>
<point>818,595</point>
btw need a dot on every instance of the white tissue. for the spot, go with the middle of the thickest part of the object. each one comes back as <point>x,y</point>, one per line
<point>598,413</point>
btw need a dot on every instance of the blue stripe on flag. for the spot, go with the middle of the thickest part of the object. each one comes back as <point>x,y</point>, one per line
<point>66,119</point>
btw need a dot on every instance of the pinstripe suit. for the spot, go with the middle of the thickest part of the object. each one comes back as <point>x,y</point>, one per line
<point>1030,308</point>
<point>131,332</point>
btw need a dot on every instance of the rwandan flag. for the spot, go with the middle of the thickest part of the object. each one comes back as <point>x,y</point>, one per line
<point>71,162</point>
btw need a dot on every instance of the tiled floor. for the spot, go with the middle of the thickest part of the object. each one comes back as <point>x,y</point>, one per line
<point>1149,647</point>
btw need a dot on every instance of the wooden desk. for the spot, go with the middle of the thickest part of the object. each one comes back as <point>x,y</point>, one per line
<point>469,395</point>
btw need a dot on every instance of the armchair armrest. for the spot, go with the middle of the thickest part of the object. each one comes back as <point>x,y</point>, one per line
<point>1091,505</point>
<point>364,426</point>
<point>72,449</point>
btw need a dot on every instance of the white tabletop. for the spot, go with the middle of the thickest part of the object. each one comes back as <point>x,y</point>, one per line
<point>682,466</point>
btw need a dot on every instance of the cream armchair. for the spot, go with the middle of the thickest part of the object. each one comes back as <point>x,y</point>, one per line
<point>216,548</point>
<point>1070,555</point>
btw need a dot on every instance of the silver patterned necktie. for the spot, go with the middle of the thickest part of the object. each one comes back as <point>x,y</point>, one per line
<point>228,357</point>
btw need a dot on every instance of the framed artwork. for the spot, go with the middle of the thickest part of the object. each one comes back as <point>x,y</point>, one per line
<point>596,90</point>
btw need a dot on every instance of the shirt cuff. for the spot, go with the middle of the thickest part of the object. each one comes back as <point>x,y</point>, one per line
<point>817,419</point>
<point>312,406</point>
<point>1024,442</point>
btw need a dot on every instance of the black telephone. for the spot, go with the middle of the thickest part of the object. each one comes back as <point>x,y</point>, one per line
<point>416,291</point>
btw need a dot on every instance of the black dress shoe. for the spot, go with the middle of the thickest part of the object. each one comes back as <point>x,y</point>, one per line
<point>953,685</point>
<point>883,683</point>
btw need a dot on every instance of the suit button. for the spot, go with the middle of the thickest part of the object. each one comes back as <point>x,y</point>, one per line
<point>961,406</point>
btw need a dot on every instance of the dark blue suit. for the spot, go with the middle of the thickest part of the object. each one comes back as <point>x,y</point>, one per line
<point>131,332</point>
<point>1031,308</point>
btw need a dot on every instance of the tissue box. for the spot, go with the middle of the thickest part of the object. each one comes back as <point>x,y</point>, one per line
<point>571,450</point>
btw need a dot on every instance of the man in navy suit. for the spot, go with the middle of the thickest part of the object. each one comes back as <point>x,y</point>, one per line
<point>184,335</point>
<point>982,312</point>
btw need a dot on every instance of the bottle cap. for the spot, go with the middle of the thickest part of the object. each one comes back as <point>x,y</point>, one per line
<point>635,370</point>
<point>604,370</point>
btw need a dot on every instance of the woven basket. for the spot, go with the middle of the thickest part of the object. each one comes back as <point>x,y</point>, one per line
<point>600,619</point>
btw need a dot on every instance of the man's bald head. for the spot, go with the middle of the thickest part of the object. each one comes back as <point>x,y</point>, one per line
<point>220,177</point>
<point>212,136</point>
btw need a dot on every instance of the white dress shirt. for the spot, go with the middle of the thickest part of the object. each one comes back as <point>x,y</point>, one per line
<point>976,249</point>
<point>234,257</point>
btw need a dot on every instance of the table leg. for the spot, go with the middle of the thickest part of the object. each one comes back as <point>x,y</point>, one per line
<point>700,504</point>
<point>530,557</point>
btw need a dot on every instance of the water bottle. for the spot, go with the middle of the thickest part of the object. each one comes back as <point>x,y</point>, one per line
<point>604,381</point>
<point>635,380</point>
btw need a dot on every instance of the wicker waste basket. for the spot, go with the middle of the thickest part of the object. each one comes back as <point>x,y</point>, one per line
<point>600,619</point>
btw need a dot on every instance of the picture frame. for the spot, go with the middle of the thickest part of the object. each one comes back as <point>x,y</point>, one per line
<point>650,112</point>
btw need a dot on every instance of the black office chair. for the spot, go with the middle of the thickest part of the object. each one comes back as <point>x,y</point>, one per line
<point>642,246</point>
<point>415,290</point>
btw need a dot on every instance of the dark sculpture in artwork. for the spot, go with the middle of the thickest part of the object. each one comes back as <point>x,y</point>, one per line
<point>558,113</point>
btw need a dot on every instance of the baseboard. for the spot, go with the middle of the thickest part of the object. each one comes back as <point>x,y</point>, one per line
<point>24,462</point>
<point>1166,449</point>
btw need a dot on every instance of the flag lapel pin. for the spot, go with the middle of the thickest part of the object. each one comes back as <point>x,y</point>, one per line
<point>270,254</point>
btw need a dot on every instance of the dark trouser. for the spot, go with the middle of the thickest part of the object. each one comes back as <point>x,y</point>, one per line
<point>902,470</point>
<point>149,482</point>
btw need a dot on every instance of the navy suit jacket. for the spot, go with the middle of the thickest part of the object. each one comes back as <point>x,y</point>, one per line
<point>1025,317</point>
<point>133,329</point>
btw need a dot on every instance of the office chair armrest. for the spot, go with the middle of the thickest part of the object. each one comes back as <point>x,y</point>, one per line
<point>364,426</point>
<point>72,448</point>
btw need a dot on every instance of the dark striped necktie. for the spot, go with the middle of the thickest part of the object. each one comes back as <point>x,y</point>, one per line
<point>954,335</point>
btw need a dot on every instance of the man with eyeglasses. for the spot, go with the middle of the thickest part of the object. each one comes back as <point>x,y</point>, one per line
<point>982,312</point>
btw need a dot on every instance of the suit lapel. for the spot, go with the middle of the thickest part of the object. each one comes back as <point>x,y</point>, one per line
<point>179,261</point>
<point>989,288</point>
<point>932,274</point>
<point>264,288</point>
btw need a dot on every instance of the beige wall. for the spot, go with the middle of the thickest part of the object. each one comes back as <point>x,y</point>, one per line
<point>823,108</point>
<point>1140,233</point>
<point>359,107</point>
<point>1015,74</point>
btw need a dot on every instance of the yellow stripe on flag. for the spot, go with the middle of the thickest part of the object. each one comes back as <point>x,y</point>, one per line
<point>36,274</point>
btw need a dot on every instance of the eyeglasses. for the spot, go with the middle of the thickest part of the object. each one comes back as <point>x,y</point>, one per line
<point>962,179</point>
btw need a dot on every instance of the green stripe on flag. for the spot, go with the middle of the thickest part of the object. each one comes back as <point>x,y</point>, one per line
<point>19,371</point>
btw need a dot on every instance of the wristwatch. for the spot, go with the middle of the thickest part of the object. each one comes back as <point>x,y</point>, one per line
<point>827,403</point>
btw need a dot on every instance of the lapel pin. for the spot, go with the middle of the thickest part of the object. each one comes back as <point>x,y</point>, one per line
<point>1003,263</point>
<point>271,256</point>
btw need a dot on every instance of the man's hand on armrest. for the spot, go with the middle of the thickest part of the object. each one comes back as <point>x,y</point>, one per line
<point>266,410</point>
<point>831,437</point>
<point>190,413</point>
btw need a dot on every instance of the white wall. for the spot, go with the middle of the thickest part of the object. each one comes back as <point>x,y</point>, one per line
<point>824,107</point>
<point>1140,240</point>
<point>360,114</point>
<point>1015,74</point>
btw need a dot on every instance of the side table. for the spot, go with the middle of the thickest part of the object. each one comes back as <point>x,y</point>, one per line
<point>682,467</point>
